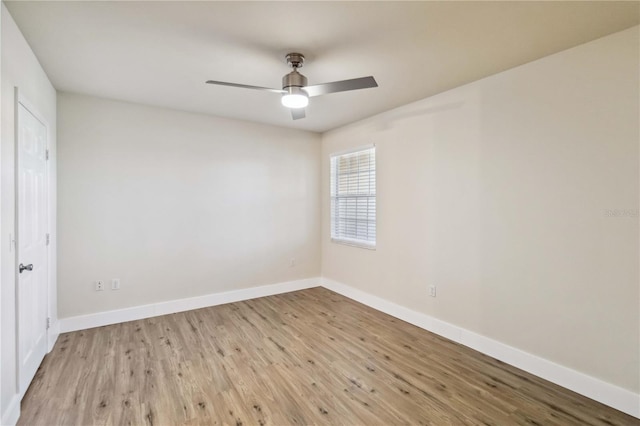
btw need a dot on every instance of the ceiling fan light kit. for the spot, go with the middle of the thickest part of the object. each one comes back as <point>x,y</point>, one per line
<point>295,97</point>
<point>295,91</point>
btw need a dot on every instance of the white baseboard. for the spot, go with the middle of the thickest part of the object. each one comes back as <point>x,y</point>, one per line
<point>12,413</point>
<point>100,319</point>
<point>596,389</point>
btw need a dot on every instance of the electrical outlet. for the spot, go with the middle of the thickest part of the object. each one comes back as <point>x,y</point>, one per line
<point>115,284</point>
<point>99,285</point>
<point>432,290</point>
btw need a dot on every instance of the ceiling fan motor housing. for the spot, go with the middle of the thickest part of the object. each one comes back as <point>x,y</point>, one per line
<point>293,79</point>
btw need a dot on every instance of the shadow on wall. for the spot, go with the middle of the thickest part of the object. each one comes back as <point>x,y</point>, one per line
<point>388,122</point>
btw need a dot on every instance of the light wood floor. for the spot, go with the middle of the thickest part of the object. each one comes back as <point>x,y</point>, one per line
<point>307,357</point>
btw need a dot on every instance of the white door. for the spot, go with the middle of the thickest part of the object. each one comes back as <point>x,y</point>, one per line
<point>31,194</point>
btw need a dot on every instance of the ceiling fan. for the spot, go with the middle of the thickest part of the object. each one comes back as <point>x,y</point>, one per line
<point>295,92</point>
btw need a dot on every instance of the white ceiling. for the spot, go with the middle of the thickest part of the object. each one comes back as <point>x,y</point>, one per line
<point>161,53</point>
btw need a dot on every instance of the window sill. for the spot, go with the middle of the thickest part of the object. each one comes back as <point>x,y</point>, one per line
<point>354,243</point>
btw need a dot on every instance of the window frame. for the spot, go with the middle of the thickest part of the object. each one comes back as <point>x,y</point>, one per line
<point>333,178</point>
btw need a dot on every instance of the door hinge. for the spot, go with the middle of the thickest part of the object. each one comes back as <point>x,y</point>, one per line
<point>48,323</point>
<point>46,154</point>
<point>48,238</point>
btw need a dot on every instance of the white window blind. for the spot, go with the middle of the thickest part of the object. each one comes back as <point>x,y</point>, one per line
<point>353,197</point>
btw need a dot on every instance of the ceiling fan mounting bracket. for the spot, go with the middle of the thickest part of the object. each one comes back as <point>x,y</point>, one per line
<point>295,60</point>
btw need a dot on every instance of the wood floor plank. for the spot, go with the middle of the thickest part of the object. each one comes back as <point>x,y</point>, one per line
<point>306,357</point>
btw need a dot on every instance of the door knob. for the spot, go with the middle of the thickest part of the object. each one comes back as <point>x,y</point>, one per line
<point>29,267</point>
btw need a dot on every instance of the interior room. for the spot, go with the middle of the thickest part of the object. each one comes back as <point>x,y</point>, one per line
<point>320,213</point>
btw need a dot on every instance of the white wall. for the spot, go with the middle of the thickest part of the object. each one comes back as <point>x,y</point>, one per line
<point>178,204</point>
<point>497,192</point>
<point>19,68</point>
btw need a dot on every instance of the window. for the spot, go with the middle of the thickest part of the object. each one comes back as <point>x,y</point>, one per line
<point>353,197</point>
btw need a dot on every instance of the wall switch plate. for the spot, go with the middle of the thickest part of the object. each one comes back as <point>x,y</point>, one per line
<point>432,290</point>
<point>115,284</point>
<point>99,285</point>
<point>292,262</point>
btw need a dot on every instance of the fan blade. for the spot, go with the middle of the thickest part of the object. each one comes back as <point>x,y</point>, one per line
<point>297,113</point>
<point>244,86</point>
<point>341,86</point>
